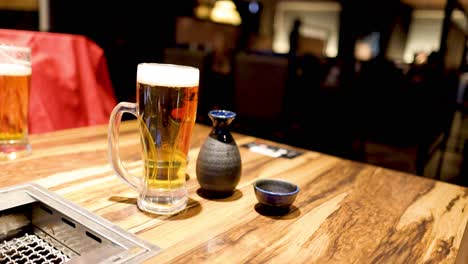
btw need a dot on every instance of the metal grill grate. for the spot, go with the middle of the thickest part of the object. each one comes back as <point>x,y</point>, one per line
<point>30,249</point>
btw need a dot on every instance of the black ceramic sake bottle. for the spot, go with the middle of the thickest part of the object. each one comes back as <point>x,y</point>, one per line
<point>219,163</point>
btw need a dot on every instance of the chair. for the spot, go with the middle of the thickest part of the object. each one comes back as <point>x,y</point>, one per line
<point>259,86</point>
<point>406,123</point>
<point>70,84</point>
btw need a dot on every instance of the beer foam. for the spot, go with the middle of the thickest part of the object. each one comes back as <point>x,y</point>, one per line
<point>167,75</point>
<point>14,69</point>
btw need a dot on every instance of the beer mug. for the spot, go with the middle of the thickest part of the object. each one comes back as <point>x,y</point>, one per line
<point>15,81</point>
<point>167,97</point>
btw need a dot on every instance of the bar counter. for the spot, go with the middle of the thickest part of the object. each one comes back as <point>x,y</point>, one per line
<point>346,211</point>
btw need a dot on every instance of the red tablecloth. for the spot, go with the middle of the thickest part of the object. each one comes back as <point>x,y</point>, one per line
<point>70,84</point>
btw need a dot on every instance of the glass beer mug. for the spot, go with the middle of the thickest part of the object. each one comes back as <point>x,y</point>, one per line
<point>15,83</point>
<point>167,97</point>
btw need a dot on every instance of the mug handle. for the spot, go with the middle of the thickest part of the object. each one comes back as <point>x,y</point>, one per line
<point>113,143</point>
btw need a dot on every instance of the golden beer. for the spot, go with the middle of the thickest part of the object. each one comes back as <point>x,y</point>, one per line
<point>15,82</point>
<point>167,116</point>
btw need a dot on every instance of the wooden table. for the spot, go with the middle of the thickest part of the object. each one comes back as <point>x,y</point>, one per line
<point>346,212</point>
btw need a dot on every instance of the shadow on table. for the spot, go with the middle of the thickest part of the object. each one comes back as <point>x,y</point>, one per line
<point>122,199</point>
<point>220,197</point>
<point>278,213</point>
<point>193,208</point>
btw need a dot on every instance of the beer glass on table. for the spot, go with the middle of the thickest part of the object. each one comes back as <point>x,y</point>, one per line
<point>167,97</point>
<point>15,81</point>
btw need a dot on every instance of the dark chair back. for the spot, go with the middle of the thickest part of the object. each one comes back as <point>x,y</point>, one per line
<point>259,86</point>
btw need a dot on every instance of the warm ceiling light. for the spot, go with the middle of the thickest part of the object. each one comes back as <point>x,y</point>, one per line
<point>203,11</point>
<point>225,12</point>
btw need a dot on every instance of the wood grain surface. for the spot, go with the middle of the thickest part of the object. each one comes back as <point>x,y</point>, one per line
<point>346,212</point>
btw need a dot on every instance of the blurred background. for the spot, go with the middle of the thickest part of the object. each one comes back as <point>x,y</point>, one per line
<point>381,82</point>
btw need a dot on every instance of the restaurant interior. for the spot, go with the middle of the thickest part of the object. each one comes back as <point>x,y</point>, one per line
<point>380,82</point>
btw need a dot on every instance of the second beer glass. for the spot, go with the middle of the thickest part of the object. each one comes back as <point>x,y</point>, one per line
<point>15,82</point>
<point>167,97</point>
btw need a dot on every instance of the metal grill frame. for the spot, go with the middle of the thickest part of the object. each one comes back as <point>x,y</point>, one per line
<point>116,244</point>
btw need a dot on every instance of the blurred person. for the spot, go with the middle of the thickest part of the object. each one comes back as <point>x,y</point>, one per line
<point>292,82</point>
<point>294,37</point>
